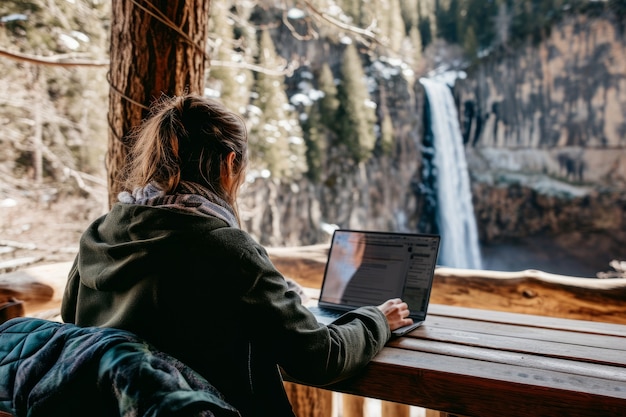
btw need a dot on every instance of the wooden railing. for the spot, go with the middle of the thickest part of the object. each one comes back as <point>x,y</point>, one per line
<point>529,291</point>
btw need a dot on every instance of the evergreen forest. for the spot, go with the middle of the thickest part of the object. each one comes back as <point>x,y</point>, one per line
<point>303,73</point>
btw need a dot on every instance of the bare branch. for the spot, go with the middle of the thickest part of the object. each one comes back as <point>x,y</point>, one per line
<point>311,34</point>
<point>79,177</point>
<point>366,33</point>
<point>52,60</point>
<point>288,70</point>
<point>63,61</point>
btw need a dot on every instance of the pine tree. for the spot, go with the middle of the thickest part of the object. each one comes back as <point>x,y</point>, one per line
<point>449,21</point>
<point>424,24</point>
<point>410,13</point>
<point>387,135</point>
<point>329,103</point>
<point>477,18</point>
<point>231,80</point>
<point>416,41</point>
<point>355,111</point>
<point>380,15</point>
<point>276,136</point>
<point>321,127</point>
<point>470,43</point>
<point>396,32</point>
<point>315,141</point>
<point>428,11</point>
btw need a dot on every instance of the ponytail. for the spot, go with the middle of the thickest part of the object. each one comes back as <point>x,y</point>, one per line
<point>187,138</point>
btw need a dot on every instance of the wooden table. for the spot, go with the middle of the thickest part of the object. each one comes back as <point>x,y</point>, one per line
<point>475,362</point>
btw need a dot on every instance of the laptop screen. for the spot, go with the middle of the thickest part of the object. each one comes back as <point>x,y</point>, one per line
<point>368,268</point>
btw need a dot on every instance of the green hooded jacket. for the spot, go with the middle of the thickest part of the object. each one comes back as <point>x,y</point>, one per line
<point>208,294</point>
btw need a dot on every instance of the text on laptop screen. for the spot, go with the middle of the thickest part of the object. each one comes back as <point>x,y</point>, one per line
<point>368,268</point>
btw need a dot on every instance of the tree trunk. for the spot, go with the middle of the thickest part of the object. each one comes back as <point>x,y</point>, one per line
<point>157,48</point>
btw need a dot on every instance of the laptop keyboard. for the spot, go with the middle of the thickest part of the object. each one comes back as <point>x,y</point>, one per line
<point>319,311</point>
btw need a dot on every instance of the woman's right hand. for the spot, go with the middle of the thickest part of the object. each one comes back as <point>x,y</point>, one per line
<point>397,313</point>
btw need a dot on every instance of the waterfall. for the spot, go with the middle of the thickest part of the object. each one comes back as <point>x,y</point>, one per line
<point>454,213</point>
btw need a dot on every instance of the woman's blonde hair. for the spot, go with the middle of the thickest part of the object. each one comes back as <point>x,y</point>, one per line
<point>187,138</point>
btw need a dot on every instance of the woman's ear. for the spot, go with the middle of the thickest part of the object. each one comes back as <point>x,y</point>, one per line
<point>227,175</point>
<point>230,162</point>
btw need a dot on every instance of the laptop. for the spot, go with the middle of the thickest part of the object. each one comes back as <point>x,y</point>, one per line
<point>370,267</point>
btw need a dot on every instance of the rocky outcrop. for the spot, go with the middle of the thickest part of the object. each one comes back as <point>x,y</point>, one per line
<point>519,211</point>
<point>376,194</point>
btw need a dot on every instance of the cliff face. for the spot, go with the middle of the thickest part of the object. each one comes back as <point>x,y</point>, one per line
<point>558,107</point>
<point>545,131</point>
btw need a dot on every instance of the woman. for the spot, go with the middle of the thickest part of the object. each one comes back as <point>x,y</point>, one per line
<point>170,263</point>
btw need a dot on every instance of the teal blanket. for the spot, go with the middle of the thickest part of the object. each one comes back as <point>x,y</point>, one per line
<point>56,369</point>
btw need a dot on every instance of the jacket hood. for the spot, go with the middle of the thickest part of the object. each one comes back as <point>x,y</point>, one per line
<point>131,241</point>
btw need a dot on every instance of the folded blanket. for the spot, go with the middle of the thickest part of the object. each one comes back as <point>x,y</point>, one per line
<point>49,369</point>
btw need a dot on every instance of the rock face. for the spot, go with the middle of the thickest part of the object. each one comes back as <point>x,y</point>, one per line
<point>545,131</point>
<point>376,194</point>
<point>558,107</point>
<point>564,92</point>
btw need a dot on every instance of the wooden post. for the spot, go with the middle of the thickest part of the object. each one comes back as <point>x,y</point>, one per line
<point>352,405</point>
<point>11,309</point>
<point>309,401</point>
<point>389,409</point>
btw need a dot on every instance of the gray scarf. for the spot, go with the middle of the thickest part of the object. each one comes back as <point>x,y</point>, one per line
<point>188,196</point>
